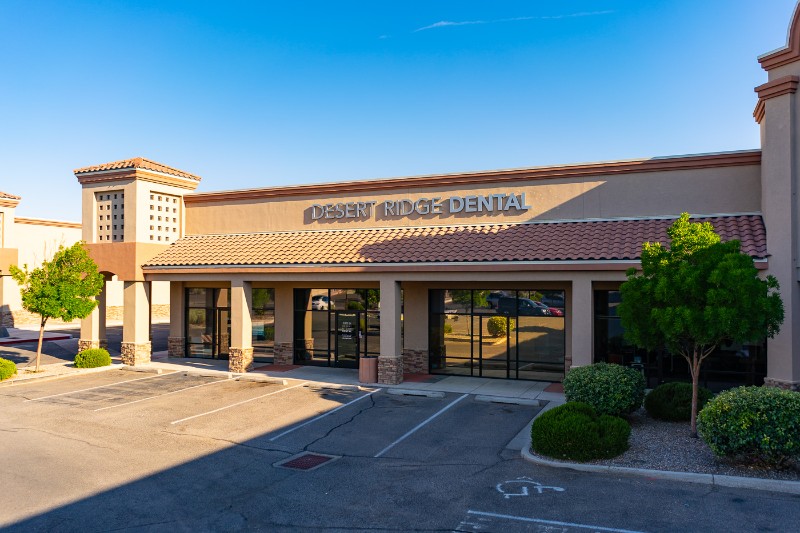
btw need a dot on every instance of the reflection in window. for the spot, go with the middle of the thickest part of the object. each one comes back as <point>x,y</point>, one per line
<point>508,333</point>
<point>728,366</point>
<point>263,318</point>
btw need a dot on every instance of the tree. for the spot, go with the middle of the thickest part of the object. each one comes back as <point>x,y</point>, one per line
<point>695,295</point>
<point>63,287</point>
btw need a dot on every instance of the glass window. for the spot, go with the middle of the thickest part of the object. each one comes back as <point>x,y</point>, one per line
<point>263,318</point>
<point>503,333</point>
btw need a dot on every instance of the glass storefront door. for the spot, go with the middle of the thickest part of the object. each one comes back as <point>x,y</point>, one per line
<point>509,334</point>
<point>335,327</point>
<point>348,336</point>
<point>208,323</point>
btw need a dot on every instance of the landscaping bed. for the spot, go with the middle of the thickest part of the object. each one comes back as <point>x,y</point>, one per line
<point>660,445</point>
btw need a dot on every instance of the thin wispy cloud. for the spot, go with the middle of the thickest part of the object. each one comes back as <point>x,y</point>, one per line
<point>447,23</point>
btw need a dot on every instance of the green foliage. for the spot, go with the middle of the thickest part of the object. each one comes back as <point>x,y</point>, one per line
<point>7,369</point>
<point>673,401</point>
<point>697,294</point>
<point>269,333</point>
<point>92,358</point>
<point>498,326</point>
<point>610,389</point>
<point>63,287</point>
<point>467,297</point>
<point>574,431</point>
<point>753,424</point>
<point>355,305</point>
<point>448,328</point>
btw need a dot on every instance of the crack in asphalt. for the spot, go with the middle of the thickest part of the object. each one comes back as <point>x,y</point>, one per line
<point>66,437</point>
<point>228,441</point>
<point>328,433</point>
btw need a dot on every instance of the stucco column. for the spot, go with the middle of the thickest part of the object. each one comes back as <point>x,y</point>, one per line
<point>390,361</point>
<point>780,181</point>
<point>102,307</point>
<point>176,343</point>
<point>415,329</point>
<point>240,353</point>
<point>284,326</point>
<point>580,313</point>
<point>93,327</point>
<point>136,346</point>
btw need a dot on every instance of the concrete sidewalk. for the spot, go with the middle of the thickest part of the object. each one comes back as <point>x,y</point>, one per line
<point>21,336</point>
<point>525,390</point>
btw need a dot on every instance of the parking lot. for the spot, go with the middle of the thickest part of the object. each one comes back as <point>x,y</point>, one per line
<point>124,450</point>
<point>133,424</point>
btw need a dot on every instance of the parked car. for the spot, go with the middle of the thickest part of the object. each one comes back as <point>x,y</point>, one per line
<point>494,297</point>
<point>320,302</point>
<point>522,307</point>
<point>555,311</point>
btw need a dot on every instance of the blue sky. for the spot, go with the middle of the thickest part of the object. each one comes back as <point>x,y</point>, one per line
<point>257,94</point>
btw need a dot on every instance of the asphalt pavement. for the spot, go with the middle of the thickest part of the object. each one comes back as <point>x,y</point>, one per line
<point>133,451</point>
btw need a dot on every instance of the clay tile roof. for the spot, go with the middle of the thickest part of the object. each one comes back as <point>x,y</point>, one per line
<point>557,241</point>
<point>6,196</point>
<point>138,162</point>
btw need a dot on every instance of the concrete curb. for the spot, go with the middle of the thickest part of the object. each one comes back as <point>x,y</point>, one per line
<point>260,378</point>
<point>774,485</point>
<point>143,369</point>
<point>73,372</point>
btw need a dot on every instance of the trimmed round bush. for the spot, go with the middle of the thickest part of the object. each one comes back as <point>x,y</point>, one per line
<point>497,326</point>
<point>7,369</point>
<point>92,358</point>
<point>575,431</point>
<point>673,401</point>
<point>753,424</point>
<point>611,389</point>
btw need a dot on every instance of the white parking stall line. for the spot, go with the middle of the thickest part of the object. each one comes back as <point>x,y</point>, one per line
<point>237,403</point>
<point>323,415</point>
<point>165,394</point>
<point>100,387</point>
<point>545,522</point>
<point>420,425</point>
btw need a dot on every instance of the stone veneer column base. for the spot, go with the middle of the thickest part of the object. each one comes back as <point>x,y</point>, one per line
<point>88,344</point>
<point>390,369</point>
<point>782,384</point>
<point>135,354</point>
<point>176,346</point>
<point>415,361</point>
<point>240,359</point>
<point>282,354</point>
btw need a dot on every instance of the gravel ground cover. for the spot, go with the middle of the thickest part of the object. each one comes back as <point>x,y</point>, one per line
<point>659,445</point>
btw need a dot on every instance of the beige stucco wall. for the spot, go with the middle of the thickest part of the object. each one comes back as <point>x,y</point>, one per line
<point>730,189</point>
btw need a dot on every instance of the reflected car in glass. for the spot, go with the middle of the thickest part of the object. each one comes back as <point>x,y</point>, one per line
<point>320,302</point>
<point>521,307</point>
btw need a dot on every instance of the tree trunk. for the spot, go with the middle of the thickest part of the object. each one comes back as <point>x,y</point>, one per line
<point>695,371</point>
<point>39,347</point>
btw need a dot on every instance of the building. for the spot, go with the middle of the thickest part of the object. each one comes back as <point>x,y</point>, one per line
<point>511,274</point>
<point>27,241</point>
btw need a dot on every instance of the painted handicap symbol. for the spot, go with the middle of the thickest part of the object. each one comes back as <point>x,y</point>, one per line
<point>522,486</point>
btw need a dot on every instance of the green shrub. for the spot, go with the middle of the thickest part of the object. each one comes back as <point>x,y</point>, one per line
<point>673,401</point>
<point>355,306</point>
<point>92,358</point>
<point>576,432</point>
<point>7,369</point>
<point>497,326</point>
<point>448,328</point>
<point>610,389</point>
<point>753,424</point>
